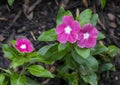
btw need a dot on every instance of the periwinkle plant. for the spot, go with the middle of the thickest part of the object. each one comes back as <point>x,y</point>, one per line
<point>76,45</point>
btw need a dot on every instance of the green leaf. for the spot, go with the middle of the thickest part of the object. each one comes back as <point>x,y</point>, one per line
<point>100,36</point>
<point>106,66</point>
<point>45,49</point>
<point>39,71</point>
<point>52,54</point>
<point>35,57</point>
<point>99,49</point>
<point>61,13</point>
<point>9,52</point>
<point>84,69</point>
<point>78,58</point>
<point>70,63</point>
<point>113,50</point>
<point>86,65</point>
<point>62,46</point>
<point>2,79</point>
<point>91,79</point>
<point>49,35</point>
<point>85,17</point>
<point>94,19</point>
<point>31,82</point>
<point>84,52</point>
<point>72,78</point>
<point>13,42</point>
<point>103,3</point>
<point>10,2</point>
<point>55,55</point>
<point>18,61</point>
<point>63,69</point>
<point>68,13</point>
<point>90,65</point>
<point>18,80</point>
<point>93,63</point>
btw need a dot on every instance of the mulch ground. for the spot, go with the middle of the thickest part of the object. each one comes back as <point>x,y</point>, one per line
<point>30,18</point>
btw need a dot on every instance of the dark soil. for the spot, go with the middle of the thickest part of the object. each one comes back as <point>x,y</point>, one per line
<point>15,21</point>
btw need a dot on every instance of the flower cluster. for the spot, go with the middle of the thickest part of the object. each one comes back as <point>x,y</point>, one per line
<point>23,45</point>
<point>70,31</point>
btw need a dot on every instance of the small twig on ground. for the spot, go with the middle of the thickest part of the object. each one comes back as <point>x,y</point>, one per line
<point>11,37</point>
<point>15,19</point>
<point>31,8</point>
<point>33,36</point>
<point>101,24</point>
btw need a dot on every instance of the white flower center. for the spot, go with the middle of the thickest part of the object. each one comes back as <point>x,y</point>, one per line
<point>86,35</point>
<point>23,46</point>
<point>68,30</point>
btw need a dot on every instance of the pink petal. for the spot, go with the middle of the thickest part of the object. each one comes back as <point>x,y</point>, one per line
<point>76,26</point>
<point>62,38</point>
<point>72,38</point>
<point>87,28</point>
<point>60,28</point>
<point>94,33</point>
<point>67,20</point>
<point>81,43</point>
<point>90,43</point>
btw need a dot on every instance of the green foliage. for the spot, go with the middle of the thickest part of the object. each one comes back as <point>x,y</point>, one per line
<point>39,71</point>
<point>23,60</point>
<point>106,66</point>
<point>94,19</point>
<point>103,3</point>
<point>85,17</point>
<point>49,35</point>
<point>10,2</point>
<point>79,66</point>
<point>100,36</point>
<point>18,80</point>
<point>2,79</point>
<point>91,79</point>
<point>83,52</point>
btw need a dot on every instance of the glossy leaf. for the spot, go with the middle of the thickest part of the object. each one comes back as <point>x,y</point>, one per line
<point>62,47</point>
<point>18,80</point>
<point>2,79</point>
<point>113,50</point>
<point>100,36</point>
<point>39,71</point>
<point>85,17</point>
<point>42,51</point>
<point>18,61</point>
<point>99,49</point>
<point>93,63</point>
<point>61,13</point>
<point>9,52</point>
<point>84,52</point>
<point>106,67</point>
<point>86,65</point>
<point>91,79</point>
<point>72,78</point>
<point>10,2</point>
<point>49,35</point>
<point>68,13</point>
<point>94,19</point>
<point>103,3</point>
<point>70,63</point>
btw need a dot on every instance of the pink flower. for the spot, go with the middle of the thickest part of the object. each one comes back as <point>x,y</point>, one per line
<point>23,45</point>
<point>68,30</point>
<point>87,36</point>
